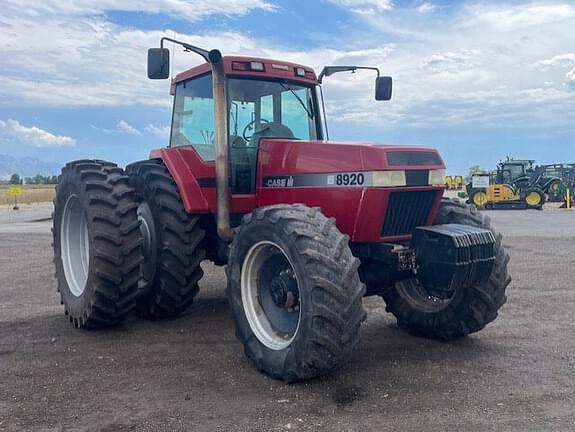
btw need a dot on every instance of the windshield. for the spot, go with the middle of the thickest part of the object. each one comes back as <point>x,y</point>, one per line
<point>265,109</point>
<point>516,170</point>
<point>261,108</point>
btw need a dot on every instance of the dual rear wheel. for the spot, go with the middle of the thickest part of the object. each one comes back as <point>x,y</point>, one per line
<point>123,242</point>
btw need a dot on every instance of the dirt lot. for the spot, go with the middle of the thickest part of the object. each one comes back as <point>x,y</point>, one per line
<point>191,374</point>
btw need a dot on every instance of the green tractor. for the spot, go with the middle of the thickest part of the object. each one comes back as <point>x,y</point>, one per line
<point>522,173</point>
<point>567,173</point>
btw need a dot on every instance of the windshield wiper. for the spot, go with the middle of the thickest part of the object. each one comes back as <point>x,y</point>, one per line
<point>285,85</point>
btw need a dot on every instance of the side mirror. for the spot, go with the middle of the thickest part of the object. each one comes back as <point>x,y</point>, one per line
<point>158,63</point>
<point>383,86</point>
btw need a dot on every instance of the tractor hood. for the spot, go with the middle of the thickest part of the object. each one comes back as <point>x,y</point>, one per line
<point>279,158</point>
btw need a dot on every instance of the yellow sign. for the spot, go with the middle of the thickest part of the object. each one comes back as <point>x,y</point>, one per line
<point>15,190</point>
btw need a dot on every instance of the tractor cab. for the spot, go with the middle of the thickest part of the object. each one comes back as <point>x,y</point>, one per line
<point>514,171</point>
<point>265,99</point>
<point>511,171</point>
<point>257,99</point>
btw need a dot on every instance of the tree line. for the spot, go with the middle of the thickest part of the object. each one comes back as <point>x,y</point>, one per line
<point>38,179</point>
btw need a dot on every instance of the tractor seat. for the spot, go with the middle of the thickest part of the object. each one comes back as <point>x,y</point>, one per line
<point>271,130</point>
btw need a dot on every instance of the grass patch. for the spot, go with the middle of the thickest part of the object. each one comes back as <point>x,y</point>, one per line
<point>30,194</point>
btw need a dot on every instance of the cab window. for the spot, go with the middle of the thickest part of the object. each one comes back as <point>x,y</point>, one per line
<point>193,118</point>
<point>517,170</point>
<point>260,109</point>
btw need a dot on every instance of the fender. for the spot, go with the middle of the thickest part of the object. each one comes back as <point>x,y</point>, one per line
<point>196,181</point>
<point>184,165</point>
<point>546,182</point>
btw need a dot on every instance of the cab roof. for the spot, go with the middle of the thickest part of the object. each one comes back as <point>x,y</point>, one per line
<point>240,66</point>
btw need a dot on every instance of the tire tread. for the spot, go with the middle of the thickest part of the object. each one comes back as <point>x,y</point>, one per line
<point>180,238</point>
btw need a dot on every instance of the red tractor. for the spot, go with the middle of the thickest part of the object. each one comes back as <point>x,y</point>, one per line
<point>305,227</point>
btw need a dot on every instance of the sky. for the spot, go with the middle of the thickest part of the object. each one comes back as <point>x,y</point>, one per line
<point>478,80</point>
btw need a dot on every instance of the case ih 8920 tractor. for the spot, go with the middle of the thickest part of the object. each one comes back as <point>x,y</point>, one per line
<point>305,227</point>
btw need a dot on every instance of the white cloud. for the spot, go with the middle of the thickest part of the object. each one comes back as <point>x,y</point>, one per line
<point>182,9</point>
<point>560,64</point>
<point>426,7</point>
<point>511,18</point>
<point>91,62</point>
<point>365,6</point>
<point>124,127</point>
<point>558,60</point>
<point>570,79</point>
<point>452,62</point>
<point>159,131</point>
<point>480,64</point>
<point>68,54</point>
<point>33,135</point>
<point>469,68</point>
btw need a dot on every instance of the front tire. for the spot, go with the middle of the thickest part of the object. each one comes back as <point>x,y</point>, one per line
<point>479,198</point>
<point>466,311</point>
<point>172,243</point>
<point>294,291</point>
<point>97,243</point>
<point>535,198</point>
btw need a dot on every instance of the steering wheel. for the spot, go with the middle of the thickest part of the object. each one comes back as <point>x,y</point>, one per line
<point>251,125</point>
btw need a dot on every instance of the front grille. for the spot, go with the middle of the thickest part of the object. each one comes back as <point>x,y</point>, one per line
<point>406,211</point>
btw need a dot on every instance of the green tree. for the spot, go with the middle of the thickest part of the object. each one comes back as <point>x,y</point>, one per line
<point>15,179</point>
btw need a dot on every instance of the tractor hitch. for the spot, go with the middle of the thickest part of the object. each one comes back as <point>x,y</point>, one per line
<point>453,256</point>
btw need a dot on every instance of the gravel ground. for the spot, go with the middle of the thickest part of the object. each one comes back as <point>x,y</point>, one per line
<point>190,373</point>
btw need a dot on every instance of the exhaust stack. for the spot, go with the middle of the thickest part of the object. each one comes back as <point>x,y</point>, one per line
<point>225,232</point>
<point>159,68</point>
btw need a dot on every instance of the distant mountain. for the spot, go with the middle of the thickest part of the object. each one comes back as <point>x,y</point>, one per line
<point>26,167</point>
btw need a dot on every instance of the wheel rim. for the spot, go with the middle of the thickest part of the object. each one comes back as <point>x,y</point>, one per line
<point>479,198</point>
<point>270,295</point>
<point>75,245</point>
<point>149,246</point>
<point>415,293</point>
<point>557,190</point>
<point>533,199</point>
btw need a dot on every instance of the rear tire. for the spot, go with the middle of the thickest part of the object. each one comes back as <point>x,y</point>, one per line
<point>469,310</point>
<point>555,191</point>
<point>172,243</point>
<point>311,278</point>
<point>97,243</point>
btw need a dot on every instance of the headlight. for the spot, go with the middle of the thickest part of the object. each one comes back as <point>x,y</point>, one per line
<point>437,177</point>
<point>389,178</point>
